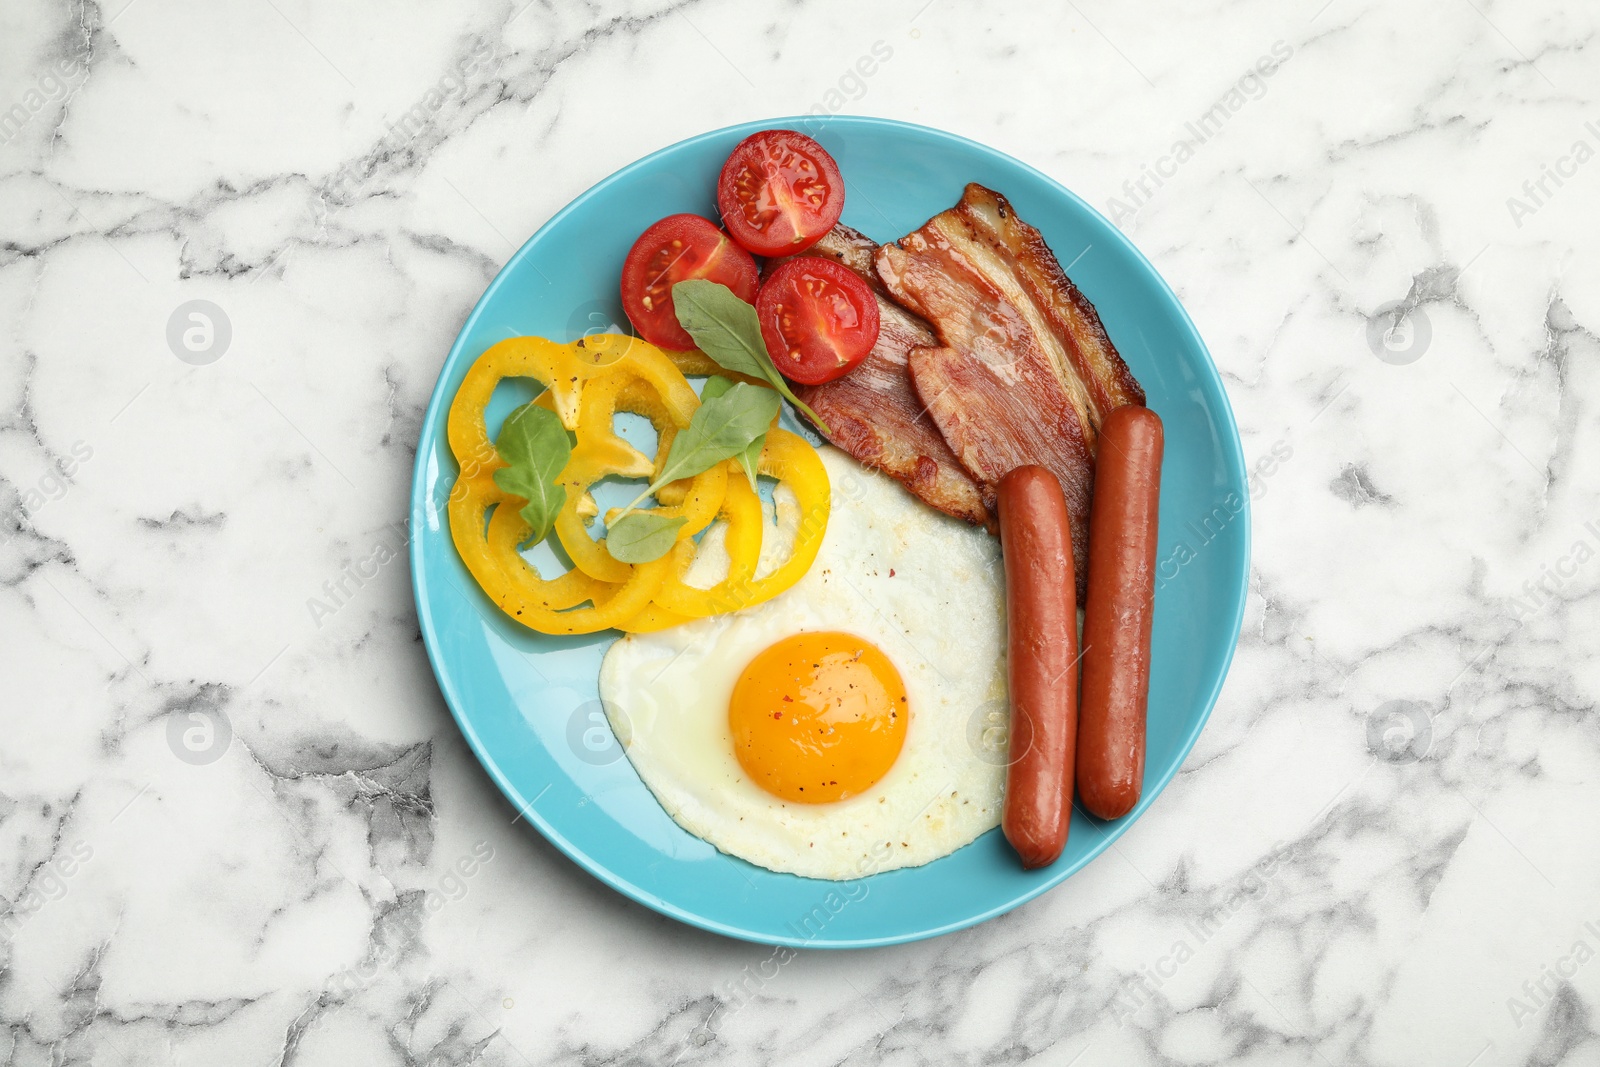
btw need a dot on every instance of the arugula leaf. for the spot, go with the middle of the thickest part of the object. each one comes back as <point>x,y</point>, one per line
<point>642,536</point>
<point>728,326</point>
<point>726,329</point>
<point>722,428</point>
<point>715,386</point>
<point>536,446</point>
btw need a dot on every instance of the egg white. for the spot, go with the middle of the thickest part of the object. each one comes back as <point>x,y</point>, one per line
<point>928,591</point>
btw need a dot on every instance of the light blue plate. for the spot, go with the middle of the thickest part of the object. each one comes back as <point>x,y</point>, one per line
<point>527,703</point>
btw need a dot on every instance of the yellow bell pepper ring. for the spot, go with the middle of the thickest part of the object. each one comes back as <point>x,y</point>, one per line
<point>515,587</point>
<point>791,459</point>
<point>562,369</point>
<point>546,605</point>
<point>600,453</point>
<point>741,511</point>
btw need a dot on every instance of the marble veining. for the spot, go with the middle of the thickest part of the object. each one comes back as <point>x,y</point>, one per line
<point>238,824</point>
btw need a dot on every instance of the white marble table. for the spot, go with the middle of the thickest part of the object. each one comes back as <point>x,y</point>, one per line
<point>1383,850</point>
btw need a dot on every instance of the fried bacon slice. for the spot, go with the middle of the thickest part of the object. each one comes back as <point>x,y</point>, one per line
<point>1024,371</point>
<point>873,412</point>
<point>997,419</point>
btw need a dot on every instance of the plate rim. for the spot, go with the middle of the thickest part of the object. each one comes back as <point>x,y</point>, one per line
<point>1233,456</point>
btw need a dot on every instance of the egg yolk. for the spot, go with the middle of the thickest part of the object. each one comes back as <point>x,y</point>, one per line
<point>818,717</point>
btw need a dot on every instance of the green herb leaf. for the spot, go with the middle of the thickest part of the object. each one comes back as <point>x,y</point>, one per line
<point>715,386</point>
<point>722,428</point>
<point>726,329</point>
<point>536,445</point>
<point>723,326</point>
<point>642,536</point>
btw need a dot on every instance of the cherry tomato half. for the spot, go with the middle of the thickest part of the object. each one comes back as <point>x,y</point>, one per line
<point>818,318</point>
<point>678,248</point>
<point>779,193</point>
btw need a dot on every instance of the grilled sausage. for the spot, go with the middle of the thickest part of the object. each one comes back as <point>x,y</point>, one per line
<point>1041,662</point>
<point>1118,612</point>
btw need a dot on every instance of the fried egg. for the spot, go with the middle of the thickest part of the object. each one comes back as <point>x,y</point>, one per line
<point>844,727</point>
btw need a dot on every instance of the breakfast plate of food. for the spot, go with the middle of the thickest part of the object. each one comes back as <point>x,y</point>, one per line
<point>829,532</point>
